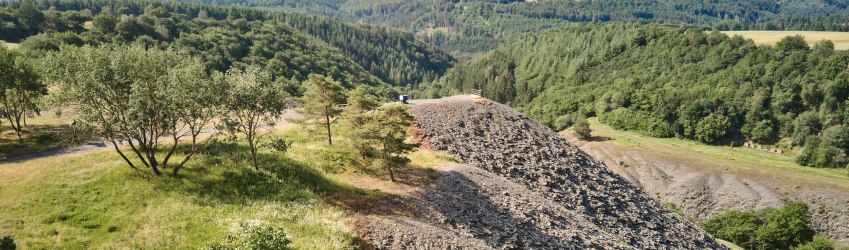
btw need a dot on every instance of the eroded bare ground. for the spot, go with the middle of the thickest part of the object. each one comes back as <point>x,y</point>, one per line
<point>703,186</point>
<point>520,186</point>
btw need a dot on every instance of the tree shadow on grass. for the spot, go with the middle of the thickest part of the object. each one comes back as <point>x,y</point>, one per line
<point>221,172</point>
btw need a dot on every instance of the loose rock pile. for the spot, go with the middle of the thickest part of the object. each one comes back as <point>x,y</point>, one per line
<point>580,203</point>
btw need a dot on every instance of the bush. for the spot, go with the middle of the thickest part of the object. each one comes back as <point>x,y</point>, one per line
<point>781,228</point>
<point>280,145</point>
<point>563,122</point>
<point>7,243</point>
<point>827,151</point>
<point>712,128</point>
<point>818,243</point>
<point>255,237</point>
<point>625,119</point>
<point>582,129</point>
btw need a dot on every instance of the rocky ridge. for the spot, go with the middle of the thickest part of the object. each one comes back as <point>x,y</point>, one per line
<point>596,208</point>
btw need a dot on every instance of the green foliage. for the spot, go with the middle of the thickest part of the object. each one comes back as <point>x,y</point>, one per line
<point>582,129</point>
<point>20,89</point>
<point>280,145</point>
<point>479,25</point>
<point>380,133</point>
<point>252,100</point>
<point>818,243</point>
<point>141,96</point>
<point>289,45</point>
<point>321,101</point>
<point>255,237</point>
<point>668,81</point>
<point>712,128</point>
<point>563,122</point>
<point>781,228</point>
<point>7,243</point>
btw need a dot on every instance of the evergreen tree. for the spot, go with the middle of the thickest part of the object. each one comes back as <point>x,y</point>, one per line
<point>321,101</point>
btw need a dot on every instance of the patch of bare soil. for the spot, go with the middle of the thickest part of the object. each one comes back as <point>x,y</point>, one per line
<point>702,188</point>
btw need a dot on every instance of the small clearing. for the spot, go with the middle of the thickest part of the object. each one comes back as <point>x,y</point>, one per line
<point>760,37</point>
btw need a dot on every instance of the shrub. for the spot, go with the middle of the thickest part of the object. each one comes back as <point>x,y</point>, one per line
<point>280,145</point>
<point>781,228</point>
<point>255,237</point>
<point>818,243</point>
<point>563,122</point>
<point>827,151</point>
<point>712,128</point>
<point>582,129</point>
<point>7,243</point>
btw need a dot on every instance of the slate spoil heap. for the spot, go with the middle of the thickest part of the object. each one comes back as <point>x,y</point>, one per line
<point>569,199</point>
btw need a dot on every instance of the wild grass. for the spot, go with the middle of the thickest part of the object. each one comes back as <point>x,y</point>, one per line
<point>92,200</point>
<point>741,159</point>
<point>44,132</point>
<point>840,39</point>
<point>10,45</point>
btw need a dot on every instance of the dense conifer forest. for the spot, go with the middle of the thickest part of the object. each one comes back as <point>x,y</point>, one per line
<point>480,25</point>
<point>290,45</point>
<point>673,82</point>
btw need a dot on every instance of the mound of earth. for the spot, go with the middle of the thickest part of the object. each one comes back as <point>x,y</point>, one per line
<point>523,187</point>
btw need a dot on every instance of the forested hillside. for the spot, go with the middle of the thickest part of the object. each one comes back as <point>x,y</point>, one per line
<point>290,45</point>
<point>670,81</point>
<point>479,25</point>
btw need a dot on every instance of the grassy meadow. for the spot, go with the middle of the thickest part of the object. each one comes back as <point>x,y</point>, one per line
<point>93,200</point>
<point>840,39</point>
<point>10,45</point>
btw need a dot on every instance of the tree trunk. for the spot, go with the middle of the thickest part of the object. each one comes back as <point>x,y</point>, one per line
<point>329,137</point>
<point>115,144</point>
<point>188,156</point>
<point>386,163</point>
<point>252,147</point>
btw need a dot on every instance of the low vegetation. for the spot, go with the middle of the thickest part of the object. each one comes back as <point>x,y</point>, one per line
<point>782,228</point>
<point>223,203</point>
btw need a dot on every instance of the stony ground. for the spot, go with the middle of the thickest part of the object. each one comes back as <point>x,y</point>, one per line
<point>521,186</point>
<point>703,186</point>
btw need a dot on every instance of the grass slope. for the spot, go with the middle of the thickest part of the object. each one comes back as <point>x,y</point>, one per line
<point>92,200</point>
<point>742,160</point>
<point>840,39</point>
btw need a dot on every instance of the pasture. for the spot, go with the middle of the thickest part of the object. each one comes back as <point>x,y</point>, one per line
<point>761,37</point>
<point>10,45</point>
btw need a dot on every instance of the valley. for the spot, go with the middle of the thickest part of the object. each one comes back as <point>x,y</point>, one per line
<point>424,124</point>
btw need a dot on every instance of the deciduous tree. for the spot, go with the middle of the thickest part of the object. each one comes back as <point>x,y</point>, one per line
<point>20,89</point>
<point>253,100</point>
<point>149,99</point>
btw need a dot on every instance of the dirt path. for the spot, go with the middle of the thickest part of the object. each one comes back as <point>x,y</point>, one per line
<point>702,183</point>
<point>282,122</point>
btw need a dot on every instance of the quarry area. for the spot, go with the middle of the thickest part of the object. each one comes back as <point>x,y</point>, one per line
<point>520,185</point>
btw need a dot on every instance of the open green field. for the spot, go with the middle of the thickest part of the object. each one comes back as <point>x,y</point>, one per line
<point>840,39</point>
<point>741,160</point>
<point>93,200</point>
<point>10,45</point>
